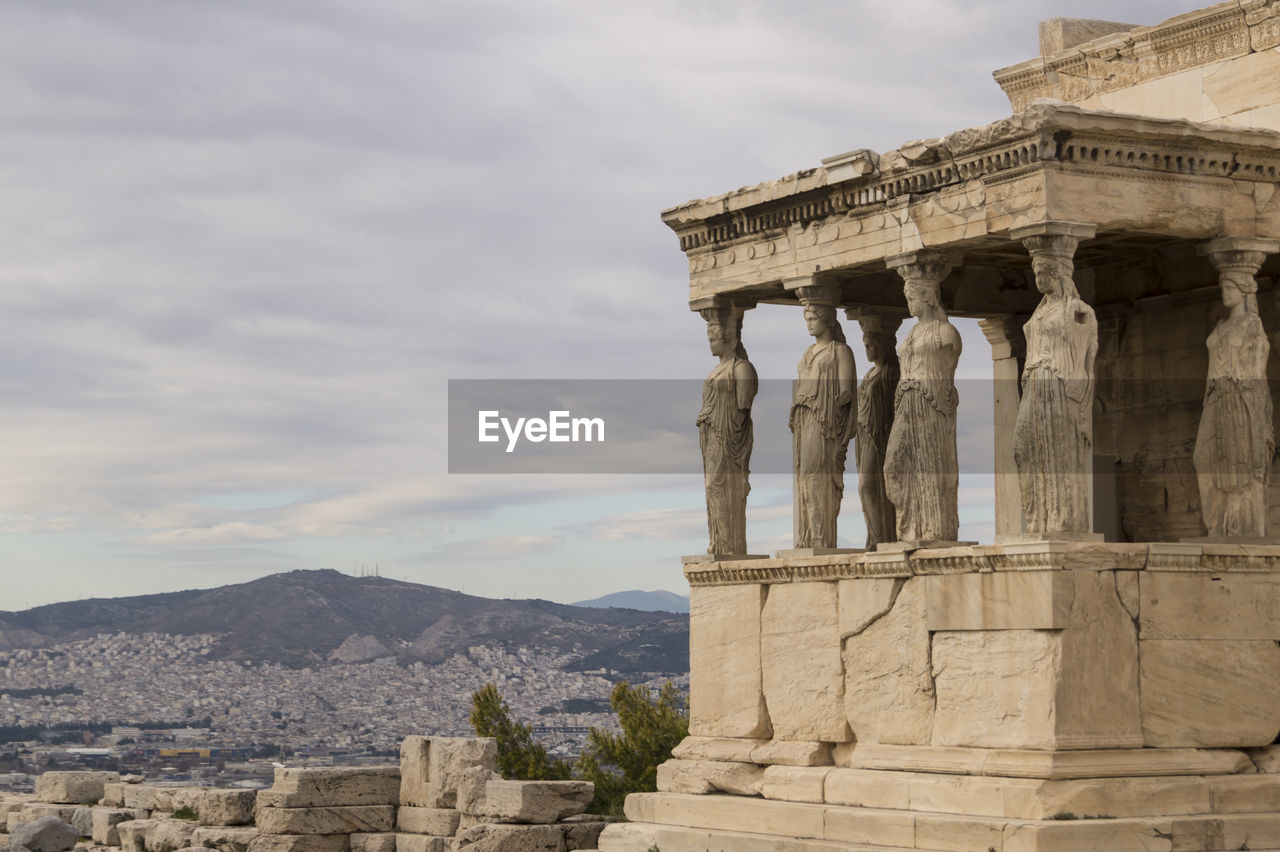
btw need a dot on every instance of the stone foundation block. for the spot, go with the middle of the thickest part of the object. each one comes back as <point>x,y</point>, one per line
<point>103,822</point>
<point>169,835</point>
<point>422,843</point>
<point>1210,693</point>
<point>225,838</point>
<point>112,795</point>
<point>431,767</point>
<point>141,796</point>
<point>299,787</point>
<point>956,833</point>
<point>340,819</point>
<point>441,822</point>
<point>73,787</point>
<point>133,834</point>
<point>224,807</point>
<point>717,748</point>
<point>795,783</point>
<point>799,753</point>
<point>33,811</point>
<point>582,833</point>
<point>531,802</point>
<point>802,672</point>
<point>512,838</point>
<point>373,842</point>
<point>888,684</point>
<point>1075,688</point>
<point>300,843</point>
<point>82,821</point>
<point>710,776</point>
<point>1177,605</point>
<point>1237,794</point>
<point>726,697</point>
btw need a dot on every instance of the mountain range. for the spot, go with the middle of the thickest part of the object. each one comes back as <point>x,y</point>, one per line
<point>658,600</point>
<point>303,618</point>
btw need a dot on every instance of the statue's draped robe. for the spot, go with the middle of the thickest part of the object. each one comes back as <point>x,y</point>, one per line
<point>725,435</point>
<point>1053,436</point>
<point>821,429</point>
<point>1235,440</point>
<point>921,470</point>
<point>875,418</point>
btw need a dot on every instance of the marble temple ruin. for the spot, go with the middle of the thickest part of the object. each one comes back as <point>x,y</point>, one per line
<point>1105,674</point>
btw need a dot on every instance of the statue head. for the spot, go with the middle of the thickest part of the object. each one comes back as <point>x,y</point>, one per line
<point>1054,274</point>
<point>880,337</point>
<point>924,296</point>
<point>819,318</point>
<point>724,331</point>
<point>1239,286</point>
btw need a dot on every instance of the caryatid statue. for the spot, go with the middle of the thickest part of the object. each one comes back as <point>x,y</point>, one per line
<point>1053,436</point>
<point>1235,440</point>
<point>875,419</point>
<point>724,431</point>
<point>823,419</point>
<point>921,469</point>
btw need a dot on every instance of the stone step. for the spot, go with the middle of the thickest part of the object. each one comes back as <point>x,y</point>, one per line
<point>938,832</point>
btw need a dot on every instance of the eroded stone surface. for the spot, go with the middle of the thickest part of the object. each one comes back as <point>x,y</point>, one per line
<point>225,838</point>
<point>533,802</point>
<point>301,787</point>
<point>726,697</point>
<point>716,748</point>
<point>79,788</point>
<point>888,684</point>
<point>801,667</point>
<point>864,600</point>
<point>710,776</point>
<point>442,822</point>
<point>1201,693</point>
<point>338,819</point>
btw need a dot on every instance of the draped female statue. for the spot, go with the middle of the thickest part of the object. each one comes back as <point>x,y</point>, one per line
<point>875,419</point>
<point>724,432</point>
<point>1053,436</point>
<point>921,469</point>
<point>823,420</point>
<point>1234,443</point>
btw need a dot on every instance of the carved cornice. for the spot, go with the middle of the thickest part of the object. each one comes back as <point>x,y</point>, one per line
<point>757,221</point>
<point>1120,60</point>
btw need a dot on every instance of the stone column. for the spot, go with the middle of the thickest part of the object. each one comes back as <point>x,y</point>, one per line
<point>1235,441</point>
<point>725,430</point>
<point>1008,352</point>
<point>875,421</point>
<point>1053,436</point>
<point>823,417</point>
<point>921,470</point>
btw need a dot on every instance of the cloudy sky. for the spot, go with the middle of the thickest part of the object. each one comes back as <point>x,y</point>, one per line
<point>245,245</point>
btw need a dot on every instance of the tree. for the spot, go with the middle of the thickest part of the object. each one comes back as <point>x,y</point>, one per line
<point>519,756</point>
<point>628,763</point>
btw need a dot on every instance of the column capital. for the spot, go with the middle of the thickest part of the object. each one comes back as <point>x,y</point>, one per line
<point>929,264</point>
<point>703,303</point>
<point>1005,336</point>
<point>1077,230</point>
<point>812,290</point>
<point>1238,253</point>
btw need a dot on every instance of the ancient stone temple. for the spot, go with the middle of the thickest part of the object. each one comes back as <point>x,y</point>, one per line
<point>1105,674</point>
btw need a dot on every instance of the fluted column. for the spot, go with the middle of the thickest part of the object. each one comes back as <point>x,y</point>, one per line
<point>1008,352</point>
<point>1235,441</point>
<point>1053,435</point>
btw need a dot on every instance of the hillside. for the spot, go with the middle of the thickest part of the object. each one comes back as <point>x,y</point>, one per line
<point>303,617</point>
<point>658,600</point>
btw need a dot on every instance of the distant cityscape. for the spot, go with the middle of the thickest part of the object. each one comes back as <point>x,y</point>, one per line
<point>158,705</point>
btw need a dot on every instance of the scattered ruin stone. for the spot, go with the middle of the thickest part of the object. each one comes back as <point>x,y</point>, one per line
<point>73,787</point>
<point>47,834</point>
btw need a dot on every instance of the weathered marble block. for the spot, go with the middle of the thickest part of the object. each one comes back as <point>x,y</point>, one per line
<point>300,843</point>
<point>73,787</point>
<point>488,798</point>
<point>710,776</point>
<point>224,807</point>
<point>169,835</point>
<point>801,668</point>
<point>224,838</point>
<point>338,819</point>
<point>303,787</point>
<point>1074,688</point>
<point>441,822</point>
<point>381,842</point>
<point>1209,693</point>
<point>888,683</point>
<point>431,767</point>
<point>103,822</point>
<point>726,697</point>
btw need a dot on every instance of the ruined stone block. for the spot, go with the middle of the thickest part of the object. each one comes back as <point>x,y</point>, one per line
<point>73,787</point>
<point>802,673</point>
<point>491,799</point>
<point>304,787</point>
<point>169,835</point>
<point>224,807</point>
<point>512,838</point>
<point>339,819</point>
<point>225,838</point>
<point>710,776</point>
<point>441,822</point>
<point>382,842</point>
<point>300,843</point>
<point>726,697</point>
<point>133,834</point>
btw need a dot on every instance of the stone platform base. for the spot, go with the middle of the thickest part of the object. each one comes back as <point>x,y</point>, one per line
<point>674,822</point>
